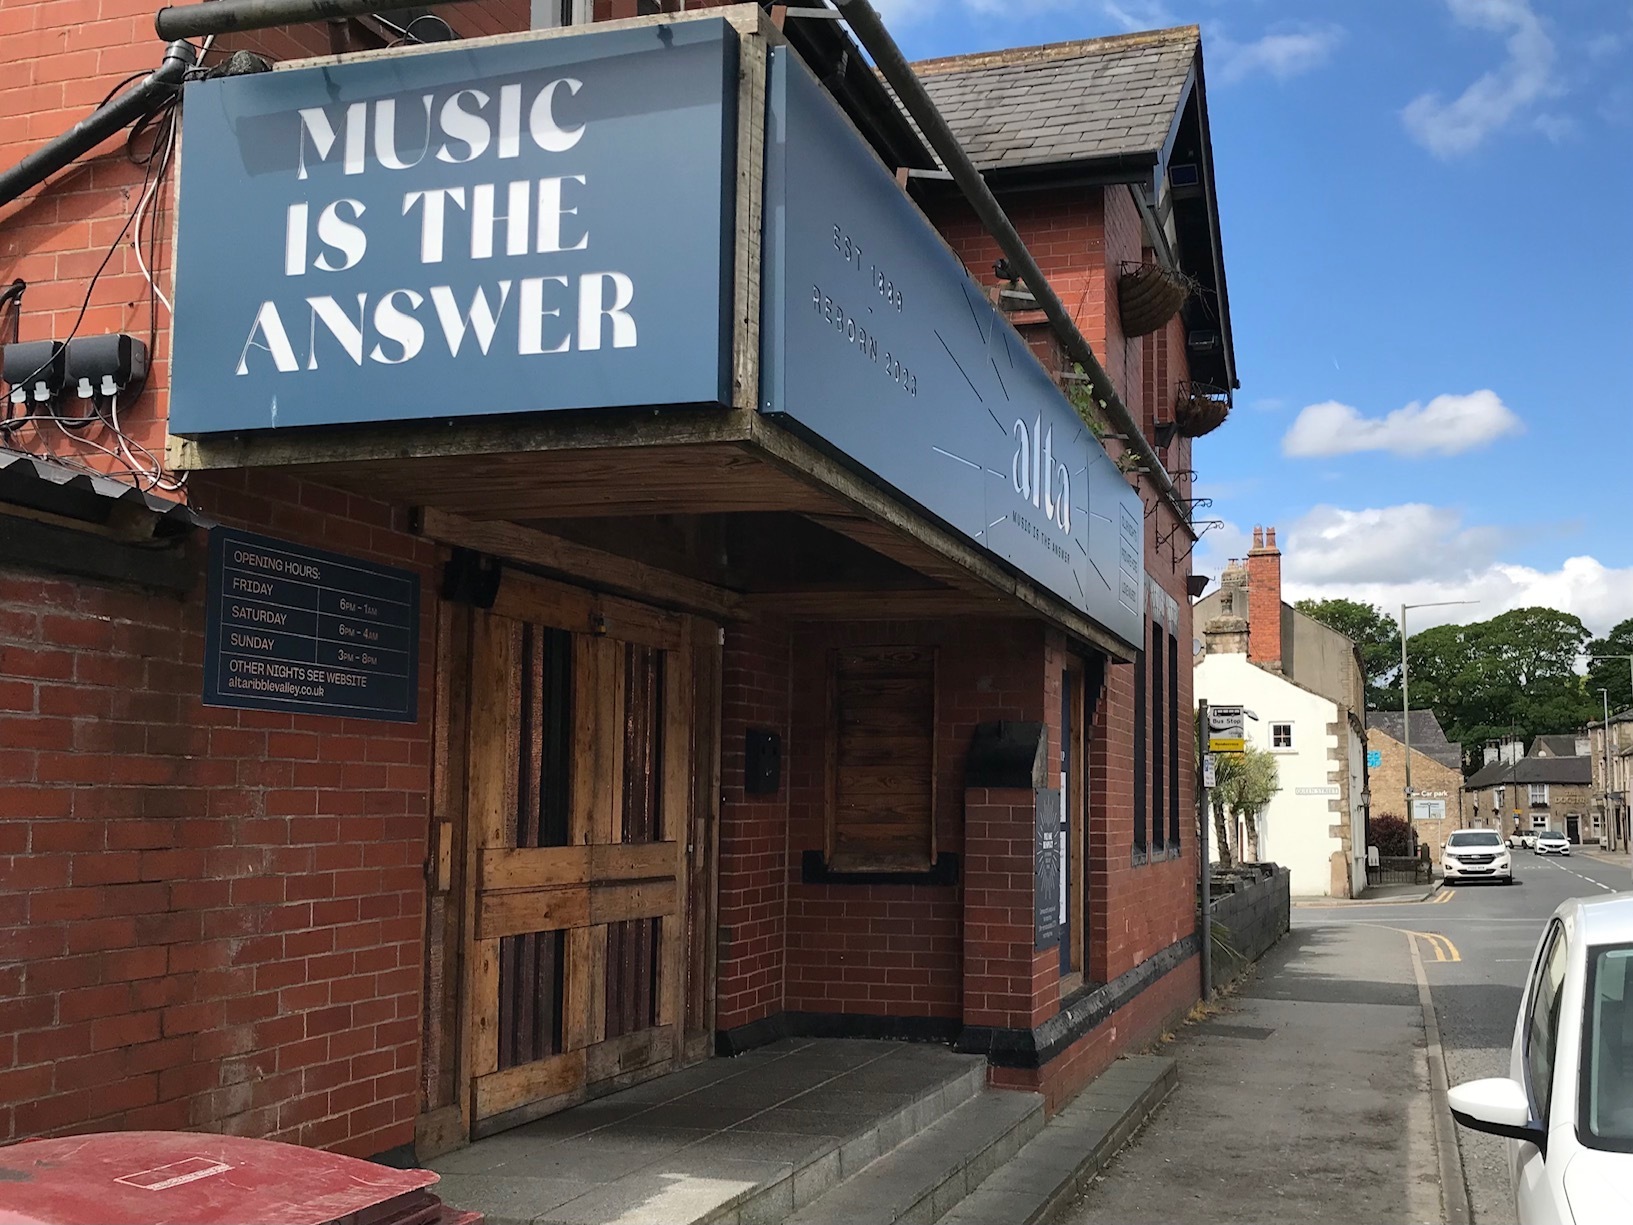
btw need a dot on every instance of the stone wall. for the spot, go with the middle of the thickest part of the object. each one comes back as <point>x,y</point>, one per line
<point>1255,916</point>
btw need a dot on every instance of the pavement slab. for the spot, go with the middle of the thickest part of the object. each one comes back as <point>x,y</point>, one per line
<point>1304,1098</point>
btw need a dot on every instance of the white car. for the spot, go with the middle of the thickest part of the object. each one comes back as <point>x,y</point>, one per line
<point>1566,1106</point>
<point>1476,854</point>
<point>1552,842</point>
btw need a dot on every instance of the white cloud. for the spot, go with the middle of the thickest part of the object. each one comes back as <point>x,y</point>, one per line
<point>1387,544</point>
<point>1446,425</point>
<point>1280,54</point>
<point>1416,553</point>
<point>1601,595</point>
<point>1447,129</point>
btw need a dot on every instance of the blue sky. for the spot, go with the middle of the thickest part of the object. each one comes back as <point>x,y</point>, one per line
<point>1425,215</point>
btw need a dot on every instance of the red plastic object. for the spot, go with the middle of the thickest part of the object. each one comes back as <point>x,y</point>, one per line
<point>187,1178</point>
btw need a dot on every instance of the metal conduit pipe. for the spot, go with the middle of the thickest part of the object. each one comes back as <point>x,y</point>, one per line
<point>227,16</point>
<point>100,124</point>
<point>870,31</point>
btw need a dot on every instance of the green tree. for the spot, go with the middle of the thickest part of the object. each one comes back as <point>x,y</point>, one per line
<point>1612,674</point>
<point>1244,784</point>
<point>1378,637</point>
<point>1515,673</point>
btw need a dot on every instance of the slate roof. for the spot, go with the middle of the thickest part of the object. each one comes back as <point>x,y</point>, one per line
<point>1427,736</point>
<point>1064,102</point>
<point>1556,746</point>
<point>1564,770</point>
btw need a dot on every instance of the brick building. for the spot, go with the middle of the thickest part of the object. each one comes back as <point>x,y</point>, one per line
<point>1437,774</point>
<point>653,707</point>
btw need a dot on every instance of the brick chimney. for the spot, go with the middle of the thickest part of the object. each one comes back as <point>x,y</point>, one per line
<point>1264,599</point>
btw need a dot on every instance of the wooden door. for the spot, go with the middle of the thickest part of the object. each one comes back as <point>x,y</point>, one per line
<point>579,806</point>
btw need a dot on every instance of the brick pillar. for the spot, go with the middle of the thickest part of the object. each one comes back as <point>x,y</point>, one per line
<point>998,828</point>
<point>1007,983</point>
<point>1264,599</point>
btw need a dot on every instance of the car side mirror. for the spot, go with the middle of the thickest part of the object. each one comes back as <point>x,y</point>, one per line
<point>1497,1106</point>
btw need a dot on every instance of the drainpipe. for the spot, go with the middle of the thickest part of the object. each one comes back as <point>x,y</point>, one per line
<point>100,124</point>
<point>870,31</point>
<point>227,16</point>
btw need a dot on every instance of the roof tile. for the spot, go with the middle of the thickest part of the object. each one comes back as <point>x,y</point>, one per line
<point>1064,102</point>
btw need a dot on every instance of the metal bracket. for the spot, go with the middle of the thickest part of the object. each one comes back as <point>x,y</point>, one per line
<point>1207,526</point>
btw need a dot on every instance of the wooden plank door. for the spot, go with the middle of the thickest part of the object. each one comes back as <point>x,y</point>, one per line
<point>579,800</point>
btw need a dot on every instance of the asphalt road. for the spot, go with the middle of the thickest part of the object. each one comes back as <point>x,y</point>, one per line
<point>1477,969</point>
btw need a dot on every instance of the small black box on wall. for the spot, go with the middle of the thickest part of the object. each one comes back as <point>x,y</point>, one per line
<point>762,761</point>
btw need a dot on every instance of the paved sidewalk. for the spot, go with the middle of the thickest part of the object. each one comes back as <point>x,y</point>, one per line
<point>1620,858</point>
<point>1305,1099</point>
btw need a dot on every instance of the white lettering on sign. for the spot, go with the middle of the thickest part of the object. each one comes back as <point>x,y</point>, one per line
<point>463,122</point>
<point>1036,476</point>
<point>508,220</point>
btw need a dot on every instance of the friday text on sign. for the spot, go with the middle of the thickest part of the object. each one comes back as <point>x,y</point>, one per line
<point>506,220</point>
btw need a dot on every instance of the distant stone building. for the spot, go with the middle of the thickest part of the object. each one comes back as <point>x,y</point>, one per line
<point>1437,774</point>
<point>1550,787</point>
<point>1305,684</point>
<point>1612,778</point>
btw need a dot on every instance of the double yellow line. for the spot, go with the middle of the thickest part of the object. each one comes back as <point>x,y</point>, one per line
<point>1444,949</point>
<point>1441,898</point>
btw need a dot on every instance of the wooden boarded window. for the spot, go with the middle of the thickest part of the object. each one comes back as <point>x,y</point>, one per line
<point>881,759</point>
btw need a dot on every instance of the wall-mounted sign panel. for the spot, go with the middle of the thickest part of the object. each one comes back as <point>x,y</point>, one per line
<point>511,227</point>
<point>876,341</point>
<point>296,629</point>
<point>1048,851</point>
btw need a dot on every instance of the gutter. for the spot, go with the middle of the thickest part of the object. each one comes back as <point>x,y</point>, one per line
<point>229,16</point>
<point>100,124</point>
<point>878,43</point>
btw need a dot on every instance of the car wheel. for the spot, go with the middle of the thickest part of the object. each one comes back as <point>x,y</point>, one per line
<point>1509,879</point>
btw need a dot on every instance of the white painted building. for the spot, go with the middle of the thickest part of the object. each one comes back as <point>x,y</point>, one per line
<point>1305,684</point>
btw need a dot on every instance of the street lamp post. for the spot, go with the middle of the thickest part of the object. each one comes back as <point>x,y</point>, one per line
<point>1615,830</point>
<point>1406,700</point>
<point>1610,819</point>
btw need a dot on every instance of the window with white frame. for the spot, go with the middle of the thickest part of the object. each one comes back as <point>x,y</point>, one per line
<point>552,14</point>
<point>1539,793</point>
<point>1497,804</point>
<point>1539,821</point>
<point>1281,735</point>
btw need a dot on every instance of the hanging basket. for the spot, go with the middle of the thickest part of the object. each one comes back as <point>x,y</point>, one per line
<point>1200,408</point>
<point>1148,296</point>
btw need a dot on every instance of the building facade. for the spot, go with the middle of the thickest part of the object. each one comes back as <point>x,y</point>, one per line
<point>493,653</point>
<point>1549,787</point>
<point>1610,753</point>
<point>1437,774</point>
<point>1304,690</point>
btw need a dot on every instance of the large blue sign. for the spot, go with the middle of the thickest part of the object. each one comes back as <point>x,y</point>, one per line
<point>875,340</point>
<point>498,228</point>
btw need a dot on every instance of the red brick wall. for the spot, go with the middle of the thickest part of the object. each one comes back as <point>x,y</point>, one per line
<point>208,918</point>
<point>1131,1028</point>
<point>999,962</point>
<point>896,950</point>
<point>753,890</point>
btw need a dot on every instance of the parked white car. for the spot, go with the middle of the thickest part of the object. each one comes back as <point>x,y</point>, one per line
<point>1566,1106</point>
<point>1476,854</point>
<point>1552,842</point>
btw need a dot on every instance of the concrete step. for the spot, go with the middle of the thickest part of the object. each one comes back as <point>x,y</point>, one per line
<point>813,1176</point>
<point>1076,1145</point>
<point>918,1181</point>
